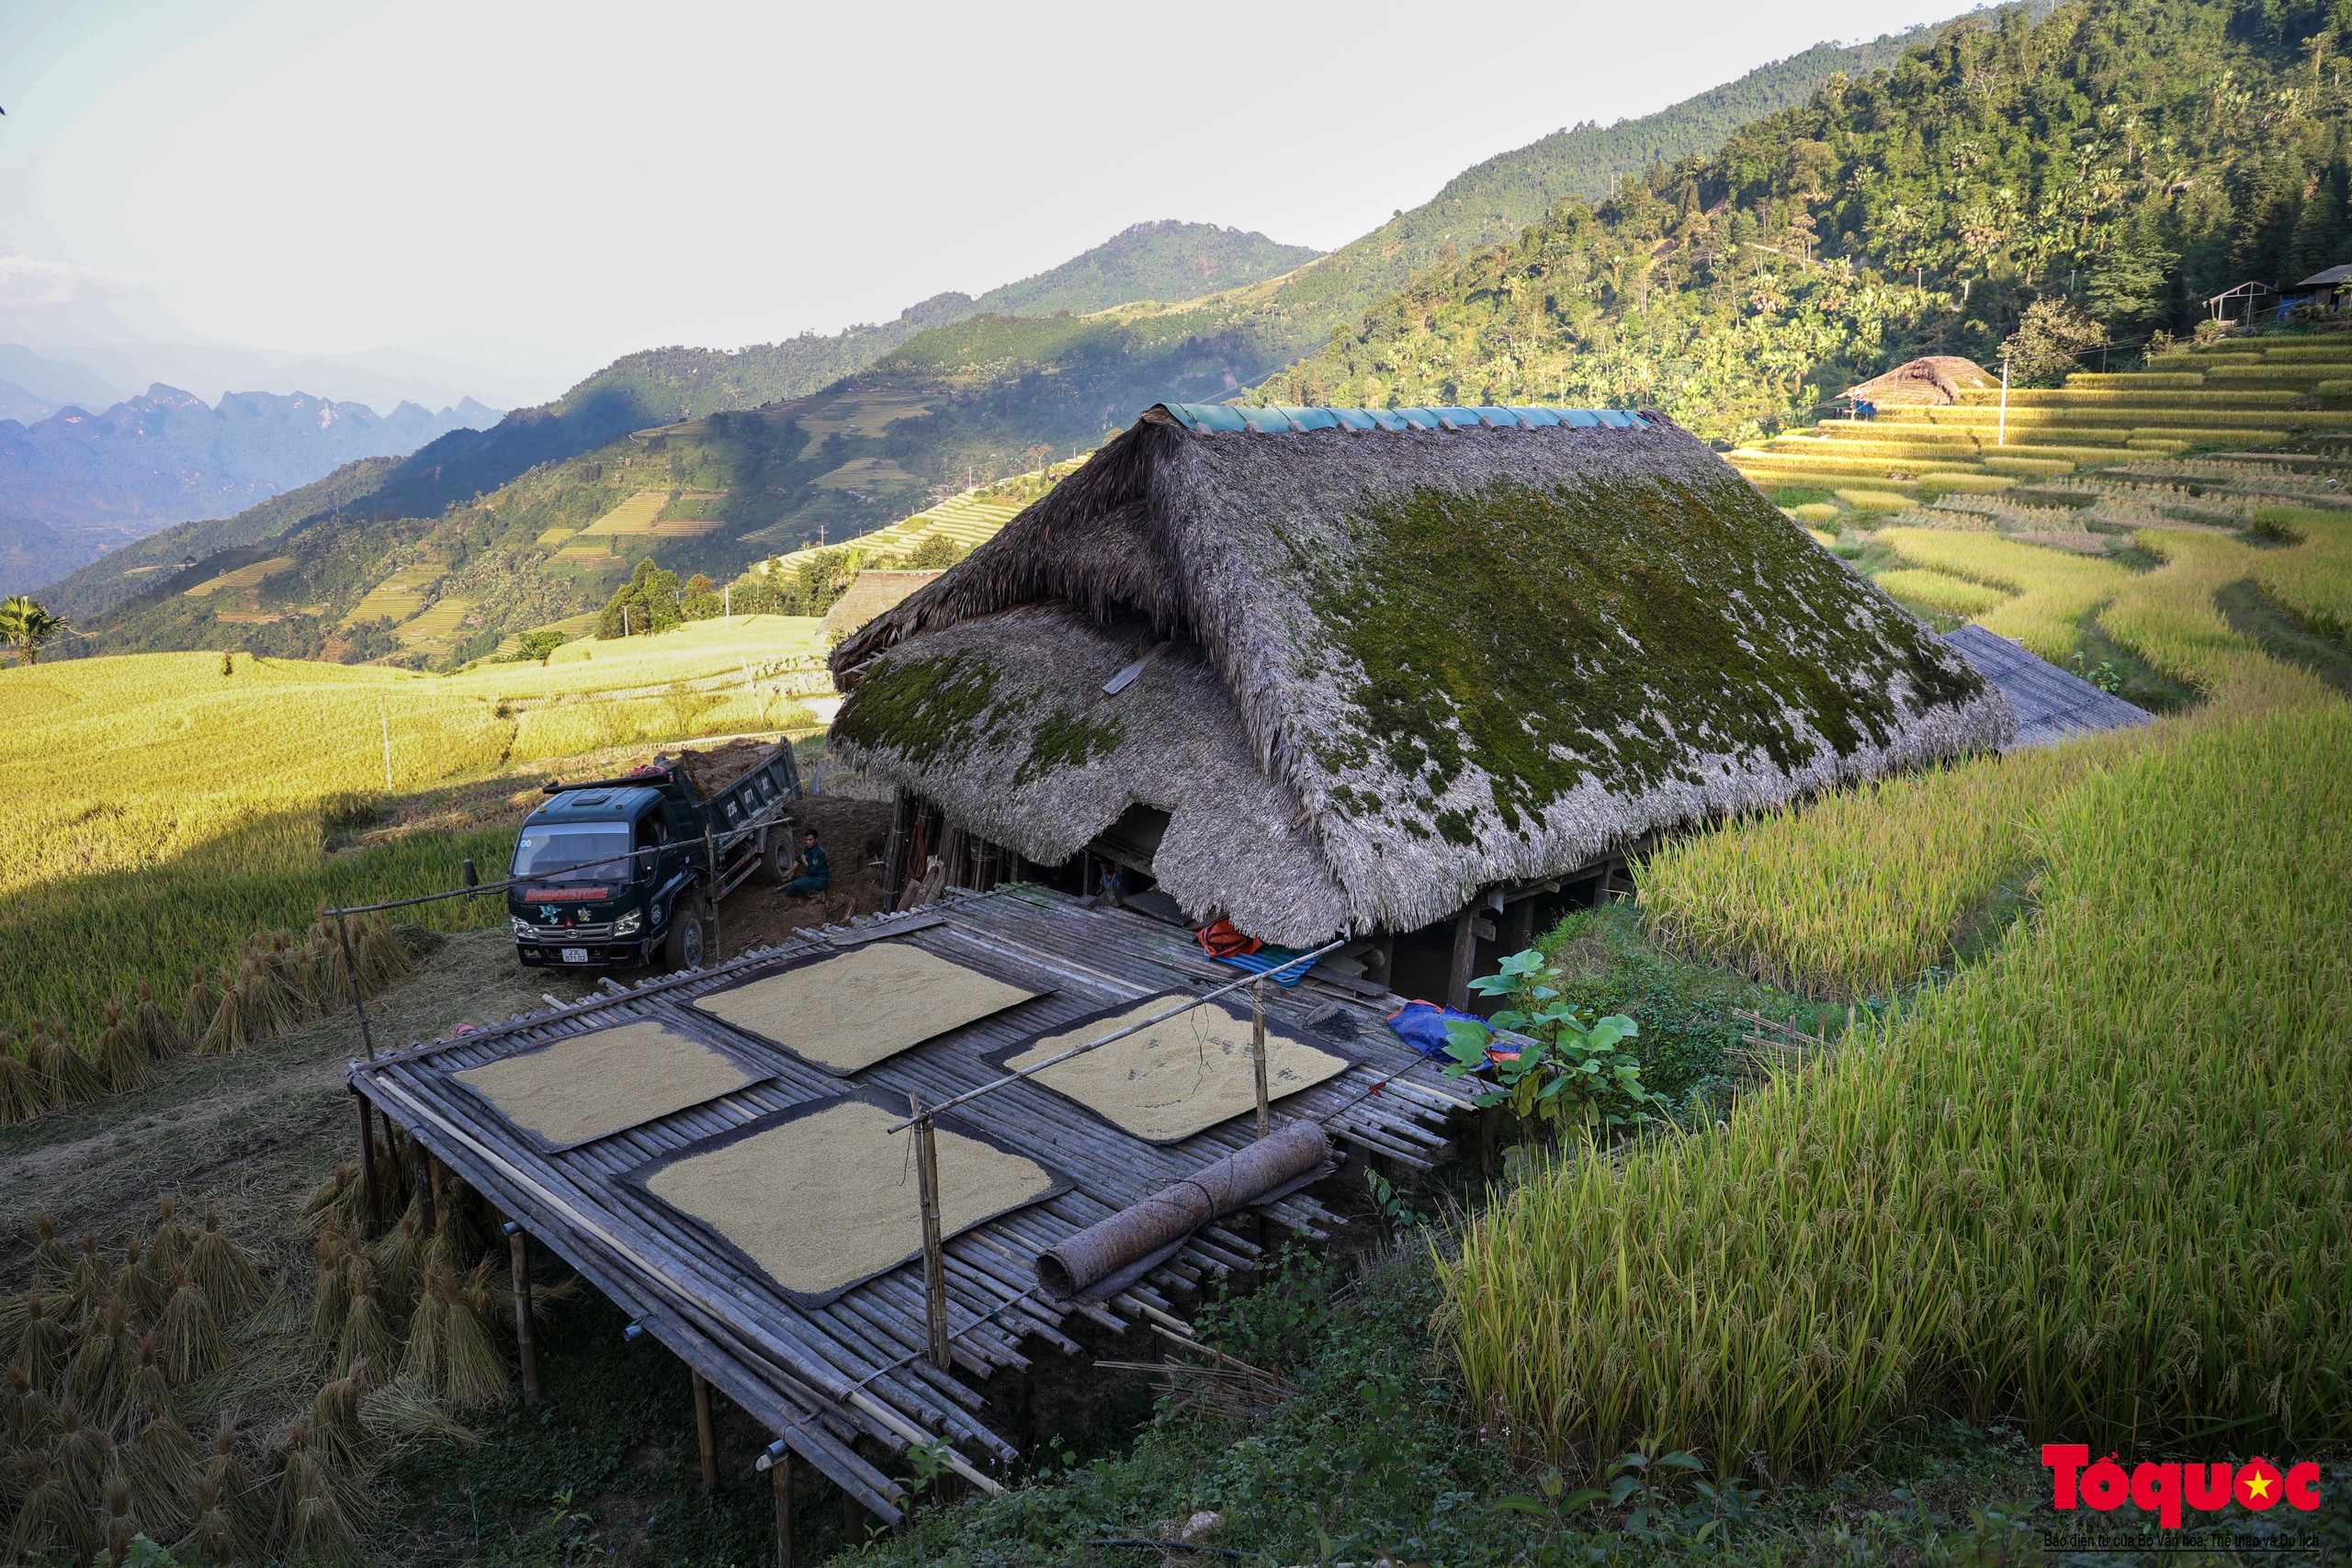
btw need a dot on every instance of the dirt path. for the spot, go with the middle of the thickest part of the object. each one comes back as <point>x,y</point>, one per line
<point>253,1132</point>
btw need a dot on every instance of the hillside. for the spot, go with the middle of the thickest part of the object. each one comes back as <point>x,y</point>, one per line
<point>75,484</point>
<point>975,395</point>
<point>663,385</point>
<point>1166,260</point>
<point>1916,210</point>
<point>999,388</point>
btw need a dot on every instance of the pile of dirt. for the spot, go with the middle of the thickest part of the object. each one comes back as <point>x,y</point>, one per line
<point>713,767</point>
<point>853,831</point>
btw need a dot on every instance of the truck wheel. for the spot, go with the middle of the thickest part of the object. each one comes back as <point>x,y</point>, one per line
<point>775,854</point>
<point>682,949</point>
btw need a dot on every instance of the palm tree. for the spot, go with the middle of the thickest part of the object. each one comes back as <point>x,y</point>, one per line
<point>25,624</point>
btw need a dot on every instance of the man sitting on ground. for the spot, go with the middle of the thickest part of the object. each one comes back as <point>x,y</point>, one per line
<point>811,871</point>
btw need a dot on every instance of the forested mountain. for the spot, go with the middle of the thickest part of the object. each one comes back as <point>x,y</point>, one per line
<point>998,386</point>
<point>1166,260</point>
<point>75,484</point>
<point>2129,156</point>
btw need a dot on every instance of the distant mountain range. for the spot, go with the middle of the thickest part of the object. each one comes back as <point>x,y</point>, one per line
<point>75,484</point>
<point>664,386</point>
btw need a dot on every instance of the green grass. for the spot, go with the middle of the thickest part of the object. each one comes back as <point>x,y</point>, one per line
<point>2100,1185</point>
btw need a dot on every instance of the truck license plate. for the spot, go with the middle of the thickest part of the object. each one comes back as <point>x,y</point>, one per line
<point>575,956</point>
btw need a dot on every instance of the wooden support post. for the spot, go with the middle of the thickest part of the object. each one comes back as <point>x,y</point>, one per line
<point>351,968</point>
<point>1489,1120</point>
<point>853,1519</point>
<point>518,1257</point>
<point>894,848</point>
<point>935,1251</point>
<point>421,1181</point>
<point>780,1479</point>
<point>705,1434</point>
<point>1465,959</point>
<point>1520,925</point>
<point>710,858</point>
<point>373,1215</point>
<point>1258,1054</point>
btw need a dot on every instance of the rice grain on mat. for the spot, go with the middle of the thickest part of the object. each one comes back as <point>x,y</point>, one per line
<point>589,1086</point>
<point>1178,1077</point>
<point>829,1199</point>
<point>862,1007</point>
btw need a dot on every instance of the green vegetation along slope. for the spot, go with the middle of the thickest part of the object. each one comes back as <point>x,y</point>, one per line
<point>2130,157</point>
<point>1166,260</point>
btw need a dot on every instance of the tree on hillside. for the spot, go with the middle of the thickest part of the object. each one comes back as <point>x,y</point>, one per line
<point>646,603</point>
<point>2049,340</point>
<point>25,624</point>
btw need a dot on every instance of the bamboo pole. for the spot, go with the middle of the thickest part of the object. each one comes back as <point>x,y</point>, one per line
<point>934,1255</point>
<point>705,1433</point>
<point>351,967</point>
<point>368,1163</point>
<point>518,1257</point>
<point>1258,1053</point>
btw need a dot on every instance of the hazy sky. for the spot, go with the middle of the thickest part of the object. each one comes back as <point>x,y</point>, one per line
<point>565,182</point>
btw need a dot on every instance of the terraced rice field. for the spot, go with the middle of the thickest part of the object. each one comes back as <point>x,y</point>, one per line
<point>2117,1022</point>
<point>852,413</point>
<point>396,598</point>
<point>2127,545</point>
<point>166,812</point>
<point>442,627</point>
<point>635,515</point>
<point>970,520</point>
<point>244,577</point>
<point>870,476</point>
<point>2241,394</point>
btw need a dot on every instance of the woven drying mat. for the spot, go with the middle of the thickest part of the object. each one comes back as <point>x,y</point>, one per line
<point>586,1087</point>
<point>821,1198</point>
<point>847,1012</point>
<point>1178,1077</point>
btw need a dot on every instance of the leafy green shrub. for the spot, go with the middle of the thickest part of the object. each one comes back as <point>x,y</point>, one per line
<point>1565,1072</point>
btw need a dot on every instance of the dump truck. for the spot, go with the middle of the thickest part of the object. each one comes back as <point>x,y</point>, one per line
<point>618,874</point>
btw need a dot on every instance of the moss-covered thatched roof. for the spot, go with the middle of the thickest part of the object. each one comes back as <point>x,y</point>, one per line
<point>1392,666</point>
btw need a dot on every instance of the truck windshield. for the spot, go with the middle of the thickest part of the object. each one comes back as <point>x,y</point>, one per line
<point>545,851</point>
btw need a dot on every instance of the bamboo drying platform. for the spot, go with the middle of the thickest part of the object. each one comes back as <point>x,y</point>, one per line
<point>848,1383</point>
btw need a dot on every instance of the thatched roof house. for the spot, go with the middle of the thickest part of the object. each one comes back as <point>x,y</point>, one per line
<point>869,593</point>
<point>1359,668</point>
<point>1935,381</point>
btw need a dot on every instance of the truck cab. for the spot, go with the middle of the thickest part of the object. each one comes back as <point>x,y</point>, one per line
<point>601,878</point>
<point>618,874</point>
